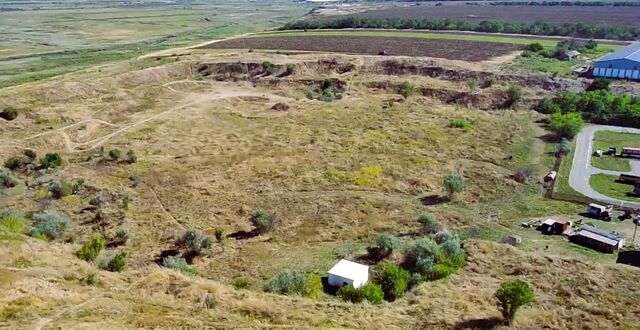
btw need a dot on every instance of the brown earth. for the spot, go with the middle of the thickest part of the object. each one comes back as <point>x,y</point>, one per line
<point>448,49</point>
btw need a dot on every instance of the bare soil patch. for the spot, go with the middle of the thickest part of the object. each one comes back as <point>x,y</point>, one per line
<point>448,49</point>
<point>626,16</point>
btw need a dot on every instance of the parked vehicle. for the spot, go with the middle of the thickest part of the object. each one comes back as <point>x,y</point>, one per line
<point>630,152</point>
<point>612,151</point>
<point>599,211</point>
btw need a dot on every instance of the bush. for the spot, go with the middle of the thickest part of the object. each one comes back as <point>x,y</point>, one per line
<point>472,83</point>
<point>490,82</point>
<point>116,263</point>
<point>394,281</point>
<point>600,84</point>
<point>194,242</point>
<point>131,157</point>
<point>58,190</point>
<point>407,89</point>
<point>534,47</point>
<point>523,174</point>
<point>421,255</point>
<point>370,292</point>
<point>241,283</point>
<point>326,96</point>
<point>96,200</point>
<point>287,283</point>
<point>179,264</point>
<point>591,44</point>
<point>268,67</point>
<point>453,184</point>
<point>6,179</point>
<point>12,163</point>
<point>290,69</point>
<point>514,95</point>
<point>460,123</point>
<point>219,234</point>
<point>511,296</point>
<point>444,236</point>
<point>564,147</point>
<point>210,301</point>
<point>440,271</point>
<point>566,125</point>
<point>313,287</point>
<point>90,279</point>
<point>9,113</point>
<point>429,223</point>
<point>115,154</point>
<point>30,154</point>
<point>49,224</point>
<point>13,221</point>
<point>383,245</point>
<point>122,234</point>
<point>91,249</point>
<point>51,160</point>
<point>264,221</point>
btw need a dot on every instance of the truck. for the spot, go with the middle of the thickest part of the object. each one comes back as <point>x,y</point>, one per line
<point>600,211</point>
<point>630,152</point>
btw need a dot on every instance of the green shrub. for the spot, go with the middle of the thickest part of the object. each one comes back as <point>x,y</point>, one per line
<point>58,190</point>
<point>51,160</point>
<point>566,125</point>
<point>9,113</point>
<point>287,283</point>
<point>370,292</point>
<point>115,154</point>
<point>490,81</point>
<point>30,154</point>
<point>78,186</point>
<point>453,184</point>
<point>472,83</point>
<point>12,163</point>
<point>125,202</point>
<point>96,200</point>
<point>13,221</point>
<point>290,69</point>
<point>6,179</point>
<point>264,221</point>
<point>383,245</point>
<point>90,279</point>
<point>394,281</point>
<point>92,248</point>
<point>443,236</point>
<point>131,157</point>
<point>514,95</point>
<point>591,44</point>
<point>210,301</point>
<point>268,67</point>
<point>195,242</point>
<point>441,271</point>
<point>326,96</point>
<point>429,223</point>
<point>116,263</point>
<point>122,234</point>
<point>460,123</point>
<point>241,283</point>
<point>598,84</point>
<point>421,255</point>
<point>534,47</point>
<point>407,89</point>
<point>564,147</point>
<point>49,224</point>
<point>511,296</point>
<point>179,264</point>
<point>219,234</point>
<point>313,287</point>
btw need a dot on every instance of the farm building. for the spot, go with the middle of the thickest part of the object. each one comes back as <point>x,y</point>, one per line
<point>599,239</point>
<point>554,227</point>
<point>625,63</point>
<point>346,272</point>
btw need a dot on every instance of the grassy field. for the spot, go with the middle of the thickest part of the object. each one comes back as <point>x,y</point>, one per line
<point>55,40</point>
<point>611,163</point>
<point>548,42</point>
<point>536,63</point>
<point>605,139</point>
<point>607,185</point>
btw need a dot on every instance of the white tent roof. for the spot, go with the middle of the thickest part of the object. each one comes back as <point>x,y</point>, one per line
<point>549,222</point>
<point>348,269</point>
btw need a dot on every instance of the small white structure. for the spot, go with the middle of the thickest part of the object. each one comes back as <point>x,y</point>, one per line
<point>346,272</point>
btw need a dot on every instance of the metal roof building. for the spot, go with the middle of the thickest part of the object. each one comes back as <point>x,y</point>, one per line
<point>625,63</point>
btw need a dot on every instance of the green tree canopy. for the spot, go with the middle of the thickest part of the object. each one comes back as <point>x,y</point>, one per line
<point>511,296</point>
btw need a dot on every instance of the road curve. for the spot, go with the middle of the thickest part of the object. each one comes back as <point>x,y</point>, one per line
<point>581,169</point>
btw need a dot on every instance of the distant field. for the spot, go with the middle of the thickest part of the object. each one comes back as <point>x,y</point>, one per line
<point>626,16</point>
<point>373,45</point>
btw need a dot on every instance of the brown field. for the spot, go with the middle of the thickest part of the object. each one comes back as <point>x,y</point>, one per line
<point>448,49</point>
<point>627,16</point>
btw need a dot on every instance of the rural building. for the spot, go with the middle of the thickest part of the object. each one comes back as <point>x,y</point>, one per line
<point>513,240</point>
<point>555,227</point>
<point>346,272</point>
<point>571,55</point>
<point>598,239</point>
<point>629,179</point>
<point>625,63</point>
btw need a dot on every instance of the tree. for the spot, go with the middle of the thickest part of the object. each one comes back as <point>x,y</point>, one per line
<point>421,255</point>
<point>534,47</point>
<point>264,221</point>
<point>194,242</point>
<point>564,147</point>
<point>92,248</point>
<point>429,223</point>
<point>453,184</point>
<point>383,245</point>
<point>511,296</point>
<point>9,113</point>
<point>407,89</point>
<point>599,84</point>
<point>591,44</point>
<point>566,125</point>
<point>394,281</point>
<point>51,160</point>
<point>287,283</point>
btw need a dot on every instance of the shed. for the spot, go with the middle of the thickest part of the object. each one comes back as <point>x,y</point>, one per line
<point>572,54</point>
<point>554,227</point>
<point>598,239</point>
<point>346,272</point>
<point>513,240</point>
<point>624,63</point>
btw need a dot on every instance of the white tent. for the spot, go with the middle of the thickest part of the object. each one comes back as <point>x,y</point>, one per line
<point>346,272</point>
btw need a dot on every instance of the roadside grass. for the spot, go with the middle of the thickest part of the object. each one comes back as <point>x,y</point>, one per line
<point>607,185</point>
<point>420,34</point>
<point>605,139</point>
<point>611,163</point>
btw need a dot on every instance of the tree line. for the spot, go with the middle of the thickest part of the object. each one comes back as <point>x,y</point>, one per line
<point>577,30</point>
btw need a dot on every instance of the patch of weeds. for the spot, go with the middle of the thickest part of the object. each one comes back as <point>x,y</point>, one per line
<point>460,123</point>
<point>179,264</point>
<point>22,262</point>
<point>91,279</point>
<point>241,283</point>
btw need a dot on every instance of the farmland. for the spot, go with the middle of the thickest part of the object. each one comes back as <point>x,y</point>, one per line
<point>372,45</point>
<point>625,16</point>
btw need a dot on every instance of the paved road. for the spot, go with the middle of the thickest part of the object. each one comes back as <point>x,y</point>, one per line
<point>581,169</point>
